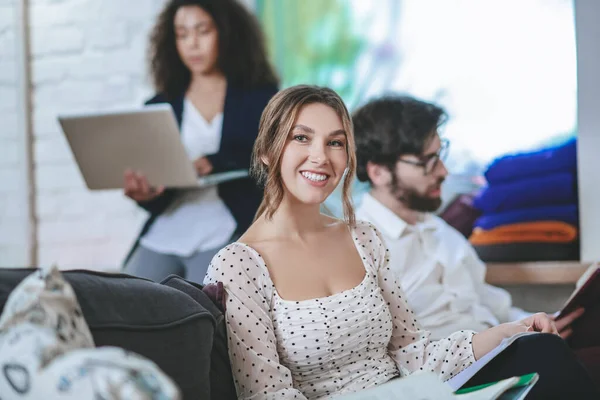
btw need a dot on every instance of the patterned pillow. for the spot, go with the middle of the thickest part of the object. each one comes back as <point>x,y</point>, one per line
<point>47,350</point>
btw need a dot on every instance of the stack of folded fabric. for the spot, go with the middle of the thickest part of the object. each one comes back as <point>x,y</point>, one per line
<point>530,207</point>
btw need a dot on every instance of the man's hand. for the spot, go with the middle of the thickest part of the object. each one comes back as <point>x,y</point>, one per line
<point>138,188</point>
<point>564,324</point>
<point>203,166</point>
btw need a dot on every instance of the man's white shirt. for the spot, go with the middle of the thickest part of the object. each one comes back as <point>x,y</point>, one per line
<point>440,273</point>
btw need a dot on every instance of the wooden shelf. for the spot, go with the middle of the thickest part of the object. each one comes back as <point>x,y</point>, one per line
<point>535,273</point>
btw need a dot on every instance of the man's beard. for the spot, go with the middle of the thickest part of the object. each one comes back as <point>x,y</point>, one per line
<point>412,199</point>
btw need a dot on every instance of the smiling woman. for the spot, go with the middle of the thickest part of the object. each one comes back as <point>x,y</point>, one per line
<point>316,144</point>
<point>313,308</point>
<point>316,158</point>
<point>304,139</point>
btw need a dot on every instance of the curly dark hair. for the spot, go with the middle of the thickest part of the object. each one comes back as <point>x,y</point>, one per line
<point>391,126</point>
<point>242,53</point>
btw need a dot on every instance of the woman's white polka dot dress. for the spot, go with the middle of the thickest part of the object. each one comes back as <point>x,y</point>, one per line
<point>318,348</point>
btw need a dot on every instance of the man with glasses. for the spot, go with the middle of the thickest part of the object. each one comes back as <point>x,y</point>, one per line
<point>401,155</point>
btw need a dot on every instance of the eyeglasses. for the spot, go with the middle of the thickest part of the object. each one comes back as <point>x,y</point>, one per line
<point>430,162</point>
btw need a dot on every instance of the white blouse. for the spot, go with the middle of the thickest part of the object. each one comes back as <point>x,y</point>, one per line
<point>343,343</point>
<point>197,220</point>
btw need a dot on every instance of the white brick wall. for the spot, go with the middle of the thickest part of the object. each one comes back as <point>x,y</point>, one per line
<point>7,34</point>
<point>57,40</point>
<point>13,214</point>
<point>86,55</point>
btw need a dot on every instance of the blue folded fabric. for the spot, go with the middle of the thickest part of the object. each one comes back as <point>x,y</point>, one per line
<point>511,167</point>
<point>550,190</point>
<point>566,213</point>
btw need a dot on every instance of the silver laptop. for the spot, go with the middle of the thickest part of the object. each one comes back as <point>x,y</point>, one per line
<point>145,140</point>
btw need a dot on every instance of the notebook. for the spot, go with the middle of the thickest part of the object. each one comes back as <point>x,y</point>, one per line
<point>463,377</point>
<point>515,388</point>
<point>427,386</point>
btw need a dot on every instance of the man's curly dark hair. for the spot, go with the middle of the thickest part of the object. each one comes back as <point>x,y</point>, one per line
<point>391,126</point>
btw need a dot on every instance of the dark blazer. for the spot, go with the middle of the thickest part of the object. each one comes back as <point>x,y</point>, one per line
<point>241,116</point>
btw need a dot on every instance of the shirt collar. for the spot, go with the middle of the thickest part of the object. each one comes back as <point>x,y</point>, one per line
<point>388,222</point>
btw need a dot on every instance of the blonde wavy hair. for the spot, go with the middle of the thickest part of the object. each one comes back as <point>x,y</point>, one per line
<point>276,123</point>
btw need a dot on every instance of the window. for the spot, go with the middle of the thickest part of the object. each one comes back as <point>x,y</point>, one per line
<point>504,70</point>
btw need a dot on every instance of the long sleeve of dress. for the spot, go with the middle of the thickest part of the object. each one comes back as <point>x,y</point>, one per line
<point>410,345</point>
<point>257,371</point>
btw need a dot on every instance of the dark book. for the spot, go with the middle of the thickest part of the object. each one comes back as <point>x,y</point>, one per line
<point>587,293</point>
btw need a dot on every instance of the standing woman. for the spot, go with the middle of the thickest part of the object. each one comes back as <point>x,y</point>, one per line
<point>208,61</point>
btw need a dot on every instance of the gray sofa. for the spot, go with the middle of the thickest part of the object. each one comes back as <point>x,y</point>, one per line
<point>174,323</point>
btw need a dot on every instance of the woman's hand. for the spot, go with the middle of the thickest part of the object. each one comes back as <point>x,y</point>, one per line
<point>485,341</point>
<point>540,322</point>
<point>138,188</point>
<point>203,166</point>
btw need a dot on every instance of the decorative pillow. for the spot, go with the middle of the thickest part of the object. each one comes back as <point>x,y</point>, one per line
<point>216,292</point>
<point>47,350</point>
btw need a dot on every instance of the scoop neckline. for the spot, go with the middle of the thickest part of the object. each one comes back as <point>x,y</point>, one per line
<point>321,299</point>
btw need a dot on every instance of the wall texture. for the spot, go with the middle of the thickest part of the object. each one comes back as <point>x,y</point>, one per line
<point>13,188</point>
<point>84,55</point>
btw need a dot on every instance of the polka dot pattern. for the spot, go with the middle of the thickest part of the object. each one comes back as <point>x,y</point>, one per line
<point>316,348</point>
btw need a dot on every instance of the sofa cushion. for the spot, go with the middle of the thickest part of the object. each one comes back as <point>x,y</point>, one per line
<point>461,215</point>
<point>156,321</point>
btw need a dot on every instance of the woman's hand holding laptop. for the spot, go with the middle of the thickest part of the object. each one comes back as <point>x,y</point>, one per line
<point>203,166</point>
<point>138,188</point>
